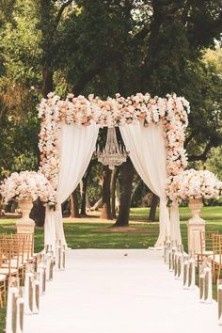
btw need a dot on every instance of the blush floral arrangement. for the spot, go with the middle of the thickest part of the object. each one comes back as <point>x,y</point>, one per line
<point>170,112</point>
<point>27,185</point>
<point>194,184</point>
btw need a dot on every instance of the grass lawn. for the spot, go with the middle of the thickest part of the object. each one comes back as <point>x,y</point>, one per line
<point>102,235</point>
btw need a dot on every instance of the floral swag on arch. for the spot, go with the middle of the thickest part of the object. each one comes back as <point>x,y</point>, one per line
<point>138,112</point>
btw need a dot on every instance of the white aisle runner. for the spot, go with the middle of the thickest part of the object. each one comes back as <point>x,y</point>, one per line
<point>107,291</point>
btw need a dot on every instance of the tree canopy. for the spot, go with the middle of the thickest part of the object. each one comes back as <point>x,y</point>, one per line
<point>104,47</point>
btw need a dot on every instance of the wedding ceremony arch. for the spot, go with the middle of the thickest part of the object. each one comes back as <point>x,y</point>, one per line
<point>152,129</point>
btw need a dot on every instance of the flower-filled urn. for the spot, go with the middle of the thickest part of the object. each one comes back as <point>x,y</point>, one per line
<point>25,224</point>
<point>25,187</point>
<point>196,227</point>
<point>193,186</point>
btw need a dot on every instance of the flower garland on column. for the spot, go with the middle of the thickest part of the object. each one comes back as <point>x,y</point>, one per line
<point>170,111</point>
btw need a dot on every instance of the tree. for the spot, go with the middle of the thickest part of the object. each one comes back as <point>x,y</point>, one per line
<point>106,212</point>
<point>125,182</point>
<point>104,47</point>
<point>23,43</point>
<point>18,117</point>
<point>50,15</point>
<point>113,190</point>
<point>154,203</point>
<point>179,32</point>
<point>85,181</point>
<point>214,162</point>
<point>74,204</point>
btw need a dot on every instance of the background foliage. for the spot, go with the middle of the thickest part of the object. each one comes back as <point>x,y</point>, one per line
<point>104,47</point>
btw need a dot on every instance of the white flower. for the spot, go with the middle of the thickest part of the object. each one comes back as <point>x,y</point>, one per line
<point>70,96</point>
<point>51,95</point>
<point>26,184</point>
<point>171,111</point>
<point>194,184</point>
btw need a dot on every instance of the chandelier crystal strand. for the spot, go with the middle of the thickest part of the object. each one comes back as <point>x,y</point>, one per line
<point>113,154</point>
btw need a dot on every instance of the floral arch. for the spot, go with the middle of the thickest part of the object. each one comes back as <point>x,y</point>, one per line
<point>153,130</point>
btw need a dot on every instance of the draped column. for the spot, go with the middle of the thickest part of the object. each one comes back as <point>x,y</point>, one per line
<point>49,227</point>
<point>175,234</point>
<point>77,146</point>
<point>146,146</point>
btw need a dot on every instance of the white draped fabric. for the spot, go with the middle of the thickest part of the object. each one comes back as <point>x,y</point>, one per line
<point>146,146</point>
<point>175,234</point>
<point>77,146</point>
<point>148,154</point>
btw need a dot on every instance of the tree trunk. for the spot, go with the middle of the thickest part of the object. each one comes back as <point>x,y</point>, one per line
<point>125,182</point>
<point>74,204</point>
<point>83,199</point>
<point>47,84</point>
<point>38,213</point>
<point>106,206</point>
<point>137,193</point>
<point>153,207</point>
<point>84,188</point>
<point>113,191</point>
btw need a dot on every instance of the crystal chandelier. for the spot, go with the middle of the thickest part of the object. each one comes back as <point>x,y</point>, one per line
<point>113,154</point>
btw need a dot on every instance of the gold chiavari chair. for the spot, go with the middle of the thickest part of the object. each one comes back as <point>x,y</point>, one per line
<point>216,257</point>
<point>10,263</point>
<point>16,252</point>
<point>26,246</point>
<point>7,271</point>
<point>3,279</point>
<point>206,247</point>
<point>20,242</point>
<point>26,253</point>
<point>23,254</point>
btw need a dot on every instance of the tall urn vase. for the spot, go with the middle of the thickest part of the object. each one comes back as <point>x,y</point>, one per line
<point>25,225</point>
<point>196,226</point>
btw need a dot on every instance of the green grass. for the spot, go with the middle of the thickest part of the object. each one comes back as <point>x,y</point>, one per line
<point>2,319</point>
<point>100,235</point>
<point>210,214</point>
<point>103,236</point>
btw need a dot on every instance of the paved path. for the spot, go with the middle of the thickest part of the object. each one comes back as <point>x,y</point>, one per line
<point>121,291</point>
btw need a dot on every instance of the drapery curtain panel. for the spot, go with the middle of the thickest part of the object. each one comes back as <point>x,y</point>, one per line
<point>77,146</point>
<point>175,234</point>
<point>146,146</point>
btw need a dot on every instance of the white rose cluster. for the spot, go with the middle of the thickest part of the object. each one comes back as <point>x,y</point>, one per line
<point>27,184</point>
<point>171,111</point>
<point>194,184</point>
